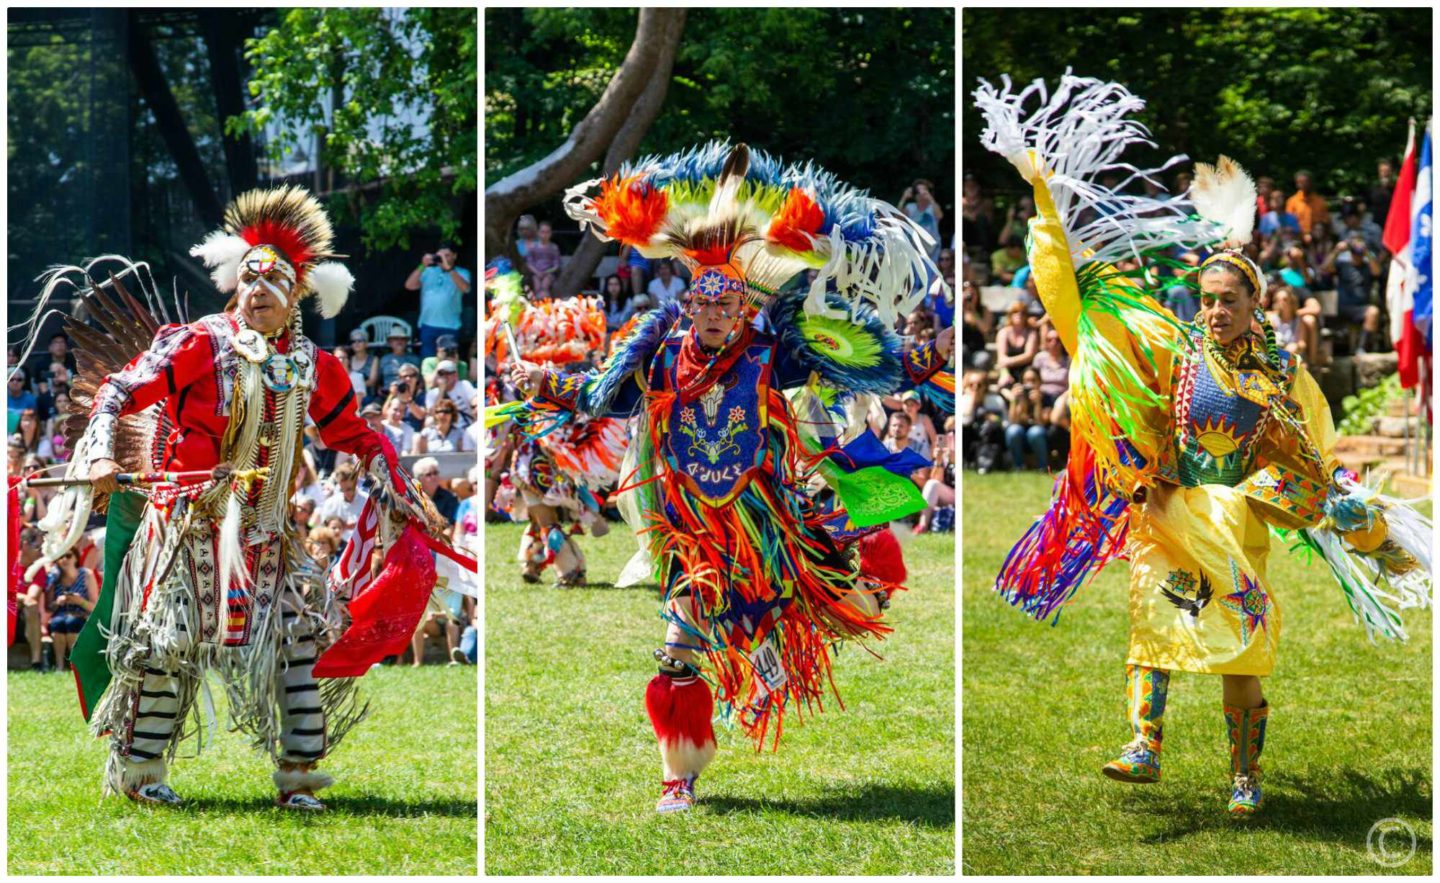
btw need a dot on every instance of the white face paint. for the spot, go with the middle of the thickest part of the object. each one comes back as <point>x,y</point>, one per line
<point>266,281</point>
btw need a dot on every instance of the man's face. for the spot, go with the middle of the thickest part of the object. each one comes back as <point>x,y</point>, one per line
<point>1303,183</point>
<point>663,270</point>
<point>715,319</point>
<point>347,487</point>
<point>397,345</point>
<point>899,426</point>
<point>445,380</point>
<point>17,384</point>
<point>446,256</point>
<point>266,283</point>
<point>59,347</point>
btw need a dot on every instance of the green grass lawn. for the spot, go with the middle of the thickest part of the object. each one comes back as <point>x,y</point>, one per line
<point>573,772</point>
<point>1348,743</point>
<point>404,801</point>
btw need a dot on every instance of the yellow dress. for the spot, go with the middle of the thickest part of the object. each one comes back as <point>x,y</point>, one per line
<point>1218,447</point>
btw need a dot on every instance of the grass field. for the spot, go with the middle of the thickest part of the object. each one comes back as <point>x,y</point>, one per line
<point>404,801</point>
<point>572,769</point>
<point>1348,744</point>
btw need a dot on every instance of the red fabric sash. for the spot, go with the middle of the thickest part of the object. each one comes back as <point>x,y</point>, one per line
<point>384,616</point>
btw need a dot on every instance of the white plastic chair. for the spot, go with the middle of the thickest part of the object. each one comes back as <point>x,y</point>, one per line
<point>378,329</point>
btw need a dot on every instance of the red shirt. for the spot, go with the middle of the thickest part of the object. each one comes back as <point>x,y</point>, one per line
<point>192,369</point>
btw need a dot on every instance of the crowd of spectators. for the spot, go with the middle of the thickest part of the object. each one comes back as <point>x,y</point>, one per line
<point>426,403</point>
<point>1013,398</point>
<point>636,284</point>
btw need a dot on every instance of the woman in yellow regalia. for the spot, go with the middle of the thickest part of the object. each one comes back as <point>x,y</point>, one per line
<point>1190,442</point>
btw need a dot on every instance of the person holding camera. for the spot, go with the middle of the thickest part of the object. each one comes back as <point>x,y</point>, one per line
<point>918,203</point>
<point>443,287</point>
<point>398,357</point>
<point>69,597</point>
<point>1355,267</point>
<point>405,390</point>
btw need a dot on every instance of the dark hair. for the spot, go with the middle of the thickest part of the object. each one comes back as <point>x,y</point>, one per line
<point>1234,272</point>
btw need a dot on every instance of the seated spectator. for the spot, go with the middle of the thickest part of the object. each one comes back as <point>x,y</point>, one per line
<point>366,363</point>
<point>357,379</point>
<point>666,287</point>
<point>345,505</point>
<point>307,483</point>
<point>448,387</point>
<point>446,348</point>
<point>69,597</point>
<point>1026,423</point>
<point>543,258</point>
<point>1052,363</point>
<point>636,267</point>
<point>1276,217</point>
<point>412,394</point>
<point>1015,345</point>
<point>324,546</point>
<point>982,415</point>
<point>897,433</point>
<point>1029,297</point>
<point>30,597</point>
<point>32,435</point>
<point>976,325</point>
<point>923,437</point>
<point>940,299</point>
<point>302,510</point>
<point>1006,261</point>
<point>1292,332</point>
<point>20,399</point>
<point>939,487</point>
<point>618,308</point>
<point>401,434</point>
<point>1355,222</point>
<point>427,472</point>
<point>398,356</point>
<point>445,436</point>
<point>1308,207</point>
<point>1355,267</point>
<point>55,428</point>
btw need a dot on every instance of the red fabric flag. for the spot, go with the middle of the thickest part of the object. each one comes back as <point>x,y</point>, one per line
<point>384,616</point>
<point>12,561</point>
<point>1399,299</point>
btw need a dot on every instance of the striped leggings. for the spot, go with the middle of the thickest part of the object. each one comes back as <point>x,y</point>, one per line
<point>302,720</point>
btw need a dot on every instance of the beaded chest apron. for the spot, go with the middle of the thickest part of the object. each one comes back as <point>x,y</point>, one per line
<point>271,392</point>
<point>716,443</point>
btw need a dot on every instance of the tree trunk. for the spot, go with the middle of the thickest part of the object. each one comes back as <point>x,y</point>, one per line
<point>651,55</point>
<point>582,263</point>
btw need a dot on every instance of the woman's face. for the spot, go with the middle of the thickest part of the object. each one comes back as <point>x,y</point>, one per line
<point>28,420</point>
<point>1225,306</point>
<point>1285,303</point>
<point>444,417</point>
<point>946,263</point>
<point>1031,377</point>
<point>1052,339</point>
<point>612,286</point>
<point>1017,318</point>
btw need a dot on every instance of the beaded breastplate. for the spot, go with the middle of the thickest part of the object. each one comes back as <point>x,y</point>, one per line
<point>716,442</point>
<point>1221,407</point>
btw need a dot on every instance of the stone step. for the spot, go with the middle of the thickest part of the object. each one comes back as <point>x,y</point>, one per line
<point>1411,487</point>
<point>1393,426</point>
<point>1373,446</point>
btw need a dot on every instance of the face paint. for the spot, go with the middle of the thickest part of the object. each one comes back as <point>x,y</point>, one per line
<point>263,269</point>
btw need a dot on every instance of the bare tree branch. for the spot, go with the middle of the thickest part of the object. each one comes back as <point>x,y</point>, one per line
<point>656,37</point>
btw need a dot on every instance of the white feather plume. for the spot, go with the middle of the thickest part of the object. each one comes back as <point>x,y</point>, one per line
<point>1225,194</point>
<point>332,283</point>
<point>221,252</point>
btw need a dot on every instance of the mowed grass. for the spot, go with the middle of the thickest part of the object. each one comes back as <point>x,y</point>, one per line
<point>573,771</point>
<point>404,801</point>
<point>1348,743</point>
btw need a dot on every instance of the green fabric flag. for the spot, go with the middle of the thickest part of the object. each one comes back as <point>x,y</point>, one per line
<point>875,495</point>
<point>92,674</point>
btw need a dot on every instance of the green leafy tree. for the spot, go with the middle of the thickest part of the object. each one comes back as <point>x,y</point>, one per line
<point>390,93</point>
<point>1324,89</point>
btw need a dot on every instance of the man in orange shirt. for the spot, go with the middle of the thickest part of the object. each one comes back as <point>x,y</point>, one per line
<point>1306,205</point>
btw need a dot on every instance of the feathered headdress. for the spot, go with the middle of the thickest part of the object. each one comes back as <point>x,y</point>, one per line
<point>1225,194</point>
<point>738,218</point>
<point>292,225</point>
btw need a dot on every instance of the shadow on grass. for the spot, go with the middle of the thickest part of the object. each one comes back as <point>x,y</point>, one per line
<point>932,807</point>
<point>338,806</point>
<point>1340,809</point>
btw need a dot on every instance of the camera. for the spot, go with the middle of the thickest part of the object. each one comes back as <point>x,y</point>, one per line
<point>400,387</point>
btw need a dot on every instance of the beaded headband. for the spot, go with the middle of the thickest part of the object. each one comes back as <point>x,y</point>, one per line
<point>1240,261</point>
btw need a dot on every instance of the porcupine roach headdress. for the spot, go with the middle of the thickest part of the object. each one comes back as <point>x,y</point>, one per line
<point>285,224</point>
<point>740,221</point>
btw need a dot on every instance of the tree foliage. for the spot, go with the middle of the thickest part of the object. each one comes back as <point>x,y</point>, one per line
<point>866,93</point>
<point>391,95</point>
<point>1323,89</point>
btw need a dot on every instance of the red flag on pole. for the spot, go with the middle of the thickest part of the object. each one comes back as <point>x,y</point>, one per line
<point>1399,299</point>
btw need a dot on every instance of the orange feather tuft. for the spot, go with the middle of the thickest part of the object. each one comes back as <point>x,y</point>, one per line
<point>632,211</point>
<point>797,221</point>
